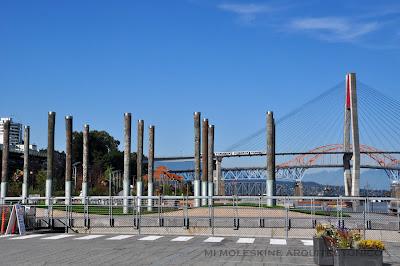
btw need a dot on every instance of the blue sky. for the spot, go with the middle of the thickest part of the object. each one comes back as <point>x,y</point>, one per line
<point>163,60</point>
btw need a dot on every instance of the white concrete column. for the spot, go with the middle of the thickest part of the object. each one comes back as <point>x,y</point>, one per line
<point>270,183</point>
<point>355,185</point>
<point>346,140</point>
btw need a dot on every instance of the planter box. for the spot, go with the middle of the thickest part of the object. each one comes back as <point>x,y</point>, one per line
<point>322,255</point>
<point>358,257</point>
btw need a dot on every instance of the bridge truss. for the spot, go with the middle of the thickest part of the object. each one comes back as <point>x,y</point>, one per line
<point>328,156</point>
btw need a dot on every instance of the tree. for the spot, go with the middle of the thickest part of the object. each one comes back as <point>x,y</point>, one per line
<point>103,154</point>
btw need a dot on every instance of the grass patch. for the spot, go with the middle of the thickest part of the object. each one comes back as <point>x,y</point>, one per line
<point>116,210</point>
<point>305,211</point>
<point>248,204</point>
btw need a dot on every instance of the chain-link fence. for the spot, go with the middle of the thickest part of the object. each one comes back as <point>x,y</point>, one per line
<point>221,215</point>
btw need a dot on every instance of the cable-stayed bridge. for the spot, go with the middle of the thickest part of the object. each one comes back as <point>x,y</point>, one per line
<point>349,126</point>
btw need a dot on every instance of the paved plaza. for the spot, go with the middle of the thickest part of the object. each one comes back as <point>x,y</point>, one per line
<point>106,249</point>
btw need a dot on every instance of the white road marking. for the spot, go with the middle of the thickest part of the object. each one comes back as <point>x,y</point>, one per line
<point>307,242</point>
<point>182,238</point>
<point>150,238</point>
<point>214,239</point>
<point>245,240</point>
<point>88,237</point>
<point>120,237</point>
<point>25,237</point>
<point>277,241</point>
<point>57,237</point>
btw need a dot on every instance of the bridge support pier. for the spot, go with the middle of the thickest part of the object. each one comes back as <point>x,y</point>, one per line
<point>196,182</point>
<point>218,182</point>
<point>127,160</point>
<point>271,184</point>
<point>298,188</point>
<point>395,190</point>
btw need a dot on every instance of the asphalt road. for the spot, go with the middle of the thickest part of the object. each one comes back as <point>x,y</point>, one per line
<point>78,249</point>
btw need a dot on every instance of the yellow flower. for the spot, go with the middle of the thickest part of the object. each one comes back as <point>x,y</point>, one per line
<point>371,244</point>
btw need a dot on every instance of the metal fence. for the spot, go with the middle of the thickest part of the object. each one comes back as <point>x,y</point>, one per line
<point>220,215</point>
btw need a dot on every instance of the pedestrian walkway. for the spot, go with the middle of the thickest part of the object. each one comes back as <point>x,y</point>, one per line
<point>213,239</point>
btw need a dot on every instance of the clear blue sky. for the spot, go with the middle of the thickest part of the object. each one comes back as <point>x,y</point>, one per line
<point>163,60</point>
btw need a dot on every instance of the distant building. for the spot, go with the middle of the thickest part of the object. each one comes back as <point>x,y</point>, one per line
<point>15,132</point>
<point>32,147</point>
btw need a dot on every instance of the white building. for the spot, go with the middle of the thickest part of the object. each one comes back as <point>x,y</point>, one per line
<point>16,137</point>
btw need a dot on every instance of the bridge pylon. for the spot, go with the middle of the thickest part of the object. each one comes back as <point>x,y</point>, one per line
<point>351,139</point>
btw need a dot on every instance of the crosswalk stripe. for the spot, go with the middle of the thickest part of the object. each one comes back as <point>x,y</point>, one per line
<point>88,237</point>
<point>25,237</point>
<point>57,237</point>
<point>150,238</point>
<point>277,241</point>
<point>182,238</point>
<point>120,237</point>
<point>245,240</point>
<point>214,239</point>
<point>307,242</point>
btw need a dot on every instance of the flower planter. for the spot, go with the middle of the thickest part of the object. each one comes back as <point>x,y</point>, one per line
<point>322,254</point>
<point>358,257</point>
